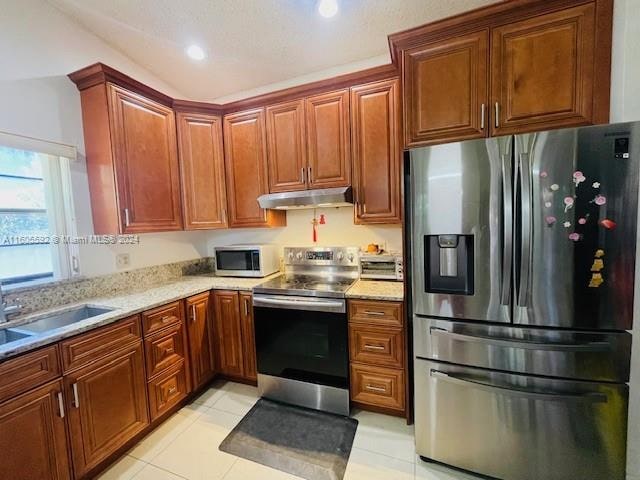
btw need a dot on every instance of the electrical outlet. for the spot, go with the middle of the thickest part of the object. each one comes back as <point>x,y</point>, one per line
<point>123,260</point>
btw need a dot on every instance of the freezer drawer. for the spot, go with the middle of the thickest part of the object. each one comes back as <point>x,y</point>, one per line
<point>517,427</point>
<point>594,356</point>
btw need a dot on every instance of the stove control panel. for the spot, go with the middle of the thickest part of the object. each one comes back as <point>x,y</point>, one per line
<point>322,256</point>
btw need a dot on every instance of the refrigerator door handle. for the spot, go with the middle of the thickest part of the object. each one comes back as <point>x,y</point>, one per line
<point>591,397</point>
<point>507,231</point>
<point>524,344</point>
<point>527,227</point>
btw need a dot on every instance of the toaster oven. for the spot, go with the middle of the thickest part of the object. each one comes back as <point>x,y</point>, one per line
<point>381,266</point>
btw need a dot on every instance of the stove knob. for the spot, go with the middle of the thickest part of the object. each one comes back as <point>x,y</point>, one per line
<point>340,256</point>
<point>290,256</point>
<point>299,255</point>
<point>350,257</point>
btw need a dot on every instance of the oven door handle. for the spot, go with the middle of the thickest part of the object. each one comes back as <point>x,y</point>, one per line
<point>295,304</point>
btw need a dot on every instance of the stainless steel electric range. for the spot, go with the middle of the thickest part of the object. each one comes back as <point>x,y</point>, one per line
<point>301,329</point>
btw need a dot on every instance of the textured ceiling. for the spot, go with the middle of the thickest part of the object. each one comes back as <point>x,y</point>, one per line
<point>250,43</point>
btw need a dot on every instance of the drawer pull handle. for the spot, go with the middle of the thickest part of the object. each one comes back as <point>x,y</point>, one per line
<point>172,390</point>
<point>375,389</point>
<point>60,404</point>
<point>373,347</point>
<point>373,312</point>
<point>166,318</point>
<point>76,398</point>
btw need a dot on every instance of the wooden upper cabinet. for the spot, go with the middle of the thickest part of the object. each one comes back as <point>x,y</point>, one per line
<point>286,147</point>
<point>229,333</point>
<point>446,90</point>
<point>204,196</point>
<point>543,71</point>
<point>33,437</point>
<point>246,170</point>
<point>145,154</point>
<point>328,140</point>
<point>201,339</point>
<point>375,140</point>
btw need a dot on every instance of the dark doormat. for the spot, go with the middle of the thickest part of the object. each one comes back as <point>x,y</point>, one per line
<point>307,443</point>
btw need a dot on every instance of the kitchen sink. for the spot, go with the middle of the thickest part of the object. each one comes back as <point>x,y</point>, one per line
<point>59,320</point>
<point>10,335</point>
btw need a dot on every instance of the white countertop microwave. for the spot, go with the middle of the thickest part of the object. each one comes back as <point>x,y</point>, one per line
<point>246,260</point>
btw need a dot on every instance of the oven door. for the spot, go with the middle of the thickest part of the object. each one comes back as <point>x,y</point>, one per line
<point>302,338</point>
<point>238,262</point>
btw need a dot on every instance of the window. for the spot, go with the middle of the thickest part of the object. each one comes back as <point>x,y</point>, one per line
<point>36,215</point>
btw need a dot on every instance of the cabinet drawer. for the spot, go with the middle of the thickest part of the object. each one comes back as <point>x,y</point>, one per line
<point>164,349</point>
<point>376,345</point>
<point>158,318</point>
<point>378,386</point>
<point>167,390</point>
<point>25,372</point>
<point>374,312</point>
<point>89,347</point>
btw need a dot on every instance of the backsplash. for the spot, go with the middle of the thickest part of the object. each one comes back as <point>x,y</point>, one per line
<point>40,297</point>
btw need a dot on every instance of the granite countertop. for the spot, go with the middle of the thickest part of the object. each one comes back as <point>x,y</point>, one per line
<point>122,306</point>
<point>377,290</point>
<point>125,305</point>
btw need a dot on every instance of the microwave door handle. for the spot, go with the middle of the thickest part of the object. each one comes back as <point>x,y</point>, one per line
<point>527,230</point>
<point>589,397</point>
<point>507,239</point>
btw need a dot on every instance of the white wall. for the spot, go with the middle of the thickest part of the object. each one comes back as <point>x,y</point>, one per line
<point>625,106</point>
<point>39,46</point>
<point>339,230</point>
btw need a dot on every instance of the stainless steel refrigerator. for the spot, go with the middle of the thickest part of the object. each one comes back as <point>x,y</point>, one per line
<point>522,264</point>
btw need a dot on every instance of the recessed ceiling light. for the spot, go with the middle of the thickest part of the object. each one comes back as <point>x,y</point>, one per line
<point>195,52</point>
<point>328,8</point>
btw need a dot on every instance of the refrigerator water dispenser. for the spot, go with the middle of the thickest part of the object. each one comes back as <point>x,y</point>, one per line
<point>449,264</point>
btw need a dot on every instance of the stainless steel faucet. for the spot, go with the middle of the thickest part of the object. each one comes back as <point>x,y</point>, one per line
<point>5,309</point>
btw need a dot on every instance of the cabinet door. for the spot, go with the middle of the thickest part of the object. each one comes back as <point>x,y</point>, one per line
<point>107,407</point>
<point>228,333</point>
<point>33,439</point>
<point>328,142</point>
<point>446,90</point>
<point>146,159</point>
<point>542,71</point>
<point>286,148</point>
<point>375,125</point>
<point>204,196</point>
<point>200,332</point>
<point>248,336</point>
<point>245,156</point>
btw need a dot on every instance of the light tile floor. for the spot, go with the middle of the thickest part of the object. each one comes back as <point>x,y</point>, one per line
<point>186,446</point>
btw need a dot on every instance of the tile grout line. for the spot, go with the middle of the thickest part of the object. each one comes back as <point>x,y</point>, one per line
<point>383,454</point>
<point>159,468</point>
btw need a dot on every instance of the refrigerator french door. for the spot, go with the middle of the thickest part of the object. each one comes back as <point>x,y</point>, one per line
<point>523,272</point>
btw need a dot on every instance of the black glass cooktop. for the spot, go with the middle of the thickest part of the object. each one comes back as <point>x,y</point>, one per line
<point>306,285</point>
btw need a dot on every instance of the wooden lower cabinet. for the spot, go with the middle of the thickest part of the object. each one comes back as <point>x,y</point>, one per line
<point>33,438</point>
<point>235,335</point>
<point>107,406</point>
<point>228,333</point>
<point>377,355</point>
<point>378,386</point>
<point>248,337</point>
<point>201,339</point>
<point>168,389</point>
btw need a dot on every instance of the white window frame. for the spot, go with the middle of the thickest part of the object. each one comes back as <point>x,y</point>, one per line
<point>56,161</point>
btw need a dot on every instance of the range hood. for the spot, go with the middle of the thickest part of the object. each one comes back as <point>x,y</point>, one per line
<point>324,197</point>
